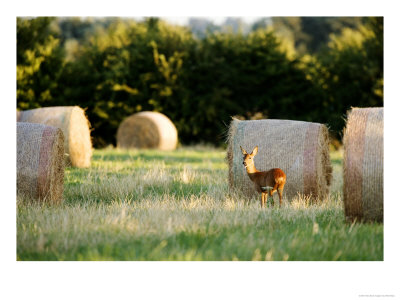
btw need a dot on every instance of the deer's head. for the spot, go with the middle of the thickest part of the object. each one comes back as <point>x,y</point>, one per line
<point>248,160</point>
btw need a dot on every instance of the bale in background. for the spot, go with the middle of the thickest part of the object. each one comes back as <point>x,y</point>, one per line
<point>74,125</point>
<point>363,165</point>
<point>40,162</point>
<point>147,130</point>
<point>300,149</point>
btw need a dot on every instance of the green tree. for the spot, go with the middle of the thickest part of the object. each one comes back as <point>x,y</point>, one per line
<point>307,34</point>
<point>317,30</point>
<point>350,71</point>
<point>39,62</point>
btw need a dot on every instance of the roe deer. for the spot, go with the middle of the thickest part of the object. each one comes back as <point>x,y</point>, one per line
<point>274,178</point>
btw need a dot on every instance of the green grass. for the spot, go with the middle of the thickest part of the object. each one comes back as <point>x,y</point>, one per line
<point>152,205</point>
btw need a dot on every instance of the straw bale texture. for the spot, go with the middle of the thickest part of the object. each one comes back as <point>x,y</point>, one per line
<point>300,149</point>
<point>74,125</point>
<point>363,165</point>
<point>147,130</point>
<point>40,162</point>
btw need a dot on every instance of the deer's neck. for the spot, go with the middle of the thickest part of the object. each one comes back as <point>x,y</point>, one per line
<point>251,169</point>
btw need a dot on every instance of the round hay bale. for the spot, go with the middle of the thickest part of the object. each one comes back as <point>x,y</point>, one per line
<point>363,165</point>
<point>74,125</point>
<point>146,130</point>
<point>300,149</point>
<point>40,162</point>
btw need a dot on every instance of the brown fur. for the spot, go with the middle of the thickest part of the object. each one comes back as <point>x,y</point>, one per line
<point>274,178</point>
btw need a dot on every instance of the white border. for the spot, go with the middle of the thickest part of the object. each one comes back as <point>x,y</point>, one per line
<point>198,280</point>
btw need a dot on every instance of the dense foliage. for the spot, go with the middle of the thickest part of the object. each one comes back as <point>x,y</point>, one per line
<point>116,67</point>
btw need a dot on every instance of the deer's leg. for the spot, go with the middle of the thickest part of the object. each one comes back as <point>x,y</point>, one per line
<point>273,190</point>
<point>280,191</point>
<point>280,196</point>
<point>262,200</point>
<point>265,194</point>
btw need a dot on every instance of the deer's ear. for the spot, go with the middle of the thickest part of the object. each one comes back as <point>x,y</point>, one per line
<point>243,151</point>
<point>255,150</point>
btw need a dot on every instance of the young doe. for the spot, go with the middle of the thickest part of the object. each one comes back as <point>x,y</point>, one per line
<point>274,178</point>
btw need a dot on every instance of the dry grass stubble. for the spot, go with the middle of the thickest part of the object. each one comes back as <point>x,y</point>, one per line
<point>177,206</point>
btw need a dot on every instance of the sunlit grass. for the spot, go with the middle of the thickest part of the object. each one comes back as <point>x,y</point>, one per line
<point>152,205</point>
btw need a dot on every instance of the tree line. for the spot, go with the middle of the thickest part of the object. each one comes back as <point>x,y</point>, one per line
<point>114,67</point>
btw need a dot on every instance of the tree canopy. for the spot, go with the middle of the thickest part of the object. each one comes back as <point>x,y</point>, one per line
<point>281,68</point>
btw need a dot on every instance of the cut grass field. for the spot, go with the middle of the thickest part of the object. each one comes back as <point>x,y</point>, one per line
<point>176,205</point>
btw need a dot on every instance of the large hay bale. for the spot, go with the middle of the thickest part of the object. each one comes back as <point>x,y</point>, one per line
<point>146,130</point>
<point>300,149</point>
<point>74,125</point>
<point>40,162</point>
<point>363,165</point>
